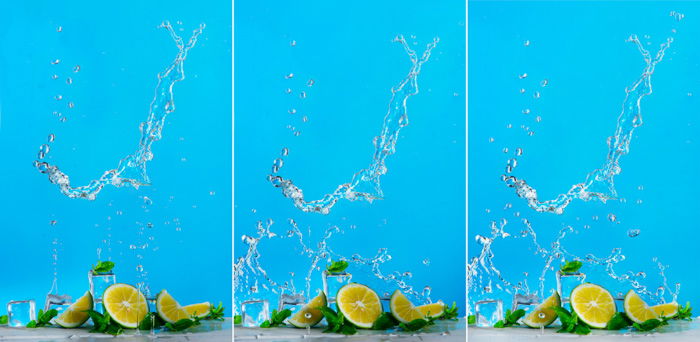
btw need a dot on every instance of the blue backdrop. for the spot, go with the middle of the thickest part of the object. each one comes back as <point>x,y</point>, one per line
<point>182,239</point>
<point>347,50</point>
<point>580,49</point>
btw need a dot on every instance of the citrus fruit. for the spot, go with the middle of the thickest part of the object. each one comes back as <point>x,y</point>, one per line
<point>636,309</point>
<point>169,309</point>
<point>200,310</point>
<point>666,310</point>
<point>309,315</point>
<point>593,304</point>
<point>125,304</point>
<point>75,315</point>
<point>543,315</point>
<point>402,309</point>
<point>432,310</point>
<point>359,304</point>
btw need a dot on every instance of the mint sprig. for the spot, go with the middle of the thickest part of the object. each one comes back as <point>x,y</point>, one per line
<point>684,312</point>
<point>450,313</point>
<point>650,324</point>
<point>43,318</point>
<point>103,323</point>
<point>183,324</point>
<point>570,322</point>
<point>217,313</point>
<point>337,266</point>
<point>417,324</point>
<point>618,321</point>
<point>571,266</point>
<point>276,319</point>
<point>103,267</point>
<point>3,319</point>
<point>337,322</point>
<point>384,321</point>
<point>510,319</point>
<point>151,321</point>
<point>237,319</point>
<point>471,319</point>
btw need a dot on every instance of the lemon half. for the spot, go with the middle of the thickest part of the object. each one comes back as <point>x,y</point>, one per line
<point>359,304</point>
<point>593,304</point>
<point>125,304</point>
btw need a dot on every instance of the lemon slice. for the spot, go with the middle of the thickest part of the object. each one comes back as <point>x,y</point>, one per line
<point>432,310</point>
<point>636,309</point>
<point>666,310</point>
<point>402,309</point>
<point>75,315</point>
<point>200,310</point>
<point>543,315</point>
<point>125,304</point>
<point>309,315</point>
<point>359,304</point>
<point>169,309</point>
<point>593,304</point>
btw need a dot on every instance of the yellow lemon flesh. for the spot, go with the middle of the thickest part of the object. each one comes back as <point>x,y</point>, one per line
<point>666,310</point>
<point>593,304</point>
<point>75,315</point>
<point>432,310</point>
<point>125,304</point>
<point>169,309</point>
<point>402,309</point>
<point>200,310</point>
<point>359,304</point>
<point>543,315</point>
<point>636,309</point>
<point>310,314</point>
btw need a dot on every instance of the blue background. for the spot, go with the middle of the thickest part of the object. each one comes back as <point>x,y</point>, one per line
<point>120,51</point>
<point>347,50</point>
<point>580,48</point>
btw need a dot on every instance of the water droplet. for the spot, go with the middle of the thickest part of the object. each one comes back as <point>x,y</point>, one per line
<point>612,217</point>
<point>522,76</point>
<point>58,97</point>
<point>518,151</point>
<point>292,111</point>
<point>76,68</point>
<point>51,137</point>
<point>302,95</point>
<point>55,61</point>
<point>54,77</point>
<point>538,119</point>
<point>522,90</point>
<point>71,105</point>
<point>288,76</point>
<point>544,82</point>
<point>297,133</point>
<point>491,139</point>
<point>526,43</point>
<point>285,152</point>
<point>526,111</point>
<point>310,82</point>
<point>53,222</point>
<point>426,262</point>
<point>277,165</point>
<point>212,193</point>
<point>633,233</point>
<point>293,43</point>
<point>505,150</point>
<point>69,80</point>
<point>305,119</point>
<point>59,29</point>
<point>536,95</point>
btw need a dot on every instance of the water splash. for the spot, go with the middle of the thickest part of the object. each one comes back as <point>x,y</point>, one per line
<point>600,184</point>
<point>365,184</point>
<point>132,168</point>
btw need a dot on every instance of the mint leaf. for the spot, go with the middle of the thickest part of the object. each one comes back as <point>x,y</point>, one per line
<point>104,324</point>
<point>337,266</point>
<point>414,325</point>
<point>43,318</point>
<point>3,319</point>
<point>471,319</point>
<point>450,313</point>
<point>336,322</point>
<point>31,324</point>
<point>510,319</point>
<point>277,318</point>
<point>151,321</point>
<point>217,313</point>
<point>571,266</point>
<point>384,321</point>
<point>103,267</point>
<point>618,321</point>
<point>685,312</point>
<point>237,319</point>
<point>182,324</point>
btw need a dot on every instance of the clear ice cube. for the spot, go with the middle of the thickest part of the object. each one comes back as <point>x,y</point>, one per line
<point>293,302</point>
<point>20,312</point>
<point>488,312</point>
<point>58,302</point>
<point>254,312</point>
<point>526,302</point>
<point>566,283</point>
<point>332,282</point>
<point>99,283</point>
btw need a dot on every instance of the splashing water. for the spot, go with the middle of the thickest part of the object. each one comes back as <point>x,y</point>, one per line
<point>365,184</point>
<point>600,184</point>
<point>132,169</point>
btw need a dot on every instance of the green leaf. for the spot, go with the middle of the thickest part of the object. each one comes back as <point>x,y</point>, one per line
<point>181,324</point>
<point>237,319</point>
<point>414,325</point>
<point>685,313</point>
<point>499,324</point>
<point>348,329</point>
<point>151,321</point>
<point>103,267</point>
<point>647,325</point>
<point>384,321</point>
<point>217,313</point>
<point>618,321</point>
<point>3,319</point>
<point>471,319</point>
<point>31,324</point>
<point>451,312</point>
<point>571,266</point>
<point>582,329</point>
<point>337,266</point>
<point>266,324</point>
<point>510,319</point>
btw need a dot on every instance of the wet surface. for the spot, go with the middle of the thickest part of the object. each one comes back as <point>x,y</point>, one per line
<point>441,331</point>
<point>213,331</point>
